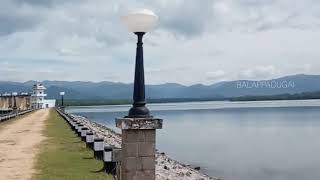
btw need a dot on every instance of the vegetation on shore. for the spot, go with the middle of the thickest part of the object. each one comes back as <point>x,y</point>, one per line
<point>299,96</point>
<point>96,102</point>
<point>93,102</point>
<point>64,156</point>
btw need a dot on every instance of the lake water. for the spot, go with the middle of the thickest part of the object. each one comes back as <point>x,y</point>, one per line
<point>278,140</point>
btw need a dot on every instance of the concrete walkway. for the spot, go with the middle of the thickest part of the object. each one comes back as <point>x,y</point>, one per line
<point>19,144</point>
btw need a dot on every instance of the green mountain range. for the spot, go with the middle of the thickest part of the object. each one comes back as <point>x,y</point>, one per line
<point>80,90</point>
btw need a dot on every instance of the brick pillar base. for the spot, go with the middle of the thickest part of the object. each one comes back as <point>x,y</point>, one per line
<point>138,147</point>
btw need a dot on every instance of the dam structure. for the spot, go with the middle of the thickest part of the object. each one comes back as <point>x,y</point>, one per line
<point>7,101</point>
<point>26,100</point>
<point>38,95</point>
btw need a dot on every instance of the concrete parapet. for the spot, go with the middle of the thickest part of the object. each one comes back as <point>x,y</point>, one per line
<point>13,115</point>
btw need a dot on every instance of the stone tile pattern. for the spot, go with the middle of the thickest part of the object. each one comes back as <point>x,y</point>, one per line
<point>138,154</point>
<point>139,123</point>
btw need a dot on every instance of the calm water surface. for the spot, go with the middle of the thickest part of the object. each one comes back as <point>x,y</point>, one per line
<point>278,140</point>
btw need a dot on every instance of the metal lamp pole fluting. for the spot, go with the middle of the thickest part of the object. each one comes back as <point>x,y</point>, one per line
<point>139,22</point>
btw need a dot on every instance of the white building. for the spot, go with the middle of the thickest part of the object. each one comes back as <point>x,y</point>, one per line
<point>38,100</point>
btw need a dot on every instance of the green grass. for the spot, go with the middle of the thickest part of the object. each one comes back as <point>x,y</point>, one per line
<point>64,157</point>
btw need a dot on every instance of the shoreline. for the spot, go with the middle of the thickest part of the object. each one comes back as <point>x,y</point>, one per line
<point>166,167</point>
<point>125,105</point>
<point>245,98</point>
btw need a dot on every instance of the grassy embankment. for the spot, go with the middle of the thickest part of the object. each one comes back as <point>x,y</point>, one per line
<point>64,156</point>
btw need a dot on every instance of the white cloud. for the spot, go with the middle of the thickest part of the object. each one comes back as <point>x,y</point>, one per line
<point>260,72</point>
<point>215,76</point>
<point>195,42</point>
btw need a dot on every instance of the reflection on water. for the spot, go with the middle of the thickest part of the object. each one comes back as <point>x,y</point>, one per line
<point>276,140</point>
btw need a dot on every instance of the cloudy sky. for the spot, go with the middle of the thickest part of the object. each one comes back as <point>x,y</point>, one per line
<point>196,41</point>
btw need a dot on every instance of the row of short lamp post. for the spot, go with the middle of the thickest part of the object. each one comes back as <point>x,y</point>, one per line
<point>101,150</point>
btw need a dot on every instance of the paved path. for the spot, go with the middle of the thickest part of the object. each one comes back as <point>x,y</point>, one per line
<point>19,144</point>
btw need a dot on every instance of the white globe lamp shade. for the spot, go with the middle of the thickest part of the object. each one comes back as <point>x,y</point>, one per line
<point>14,94</point>
<point>142,20</point>
<point>62,93</point>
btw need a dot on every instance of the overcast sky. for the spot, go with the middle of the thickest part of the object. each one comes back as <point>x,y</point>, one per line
<point>196,41</point>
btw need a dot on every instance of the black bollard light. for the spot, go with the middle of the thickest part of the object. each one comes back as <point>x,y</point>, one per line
<point>89,140</point>
<point>72,124</point>
<point>110,166</point>
<point>98,148</point>
<point>84,131</point>
<point>75,127</point>
<point>80,126</point>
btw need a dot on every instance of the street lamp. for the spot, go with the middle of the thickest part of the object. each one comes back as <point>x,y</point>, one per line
<point>139,22</point>
<point>62,94</point>
<point>14,94</point>
<point>139,121</point>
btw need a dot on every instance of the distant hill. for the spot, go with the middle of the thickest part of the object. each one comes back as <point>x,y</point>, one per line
<point>111,90</point>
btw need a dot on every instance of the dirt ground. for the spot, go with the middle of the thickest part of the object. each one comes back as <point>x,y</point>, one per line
<point>19,144</point>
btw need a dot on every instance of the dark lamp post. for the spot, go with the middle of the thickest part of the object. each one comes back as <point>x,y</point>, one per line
<point>139,22</point>
<point>62,94</point>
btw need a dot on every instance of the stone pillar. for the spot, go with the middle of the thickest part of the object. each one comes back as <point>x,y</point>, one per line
<point>138,147</point>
